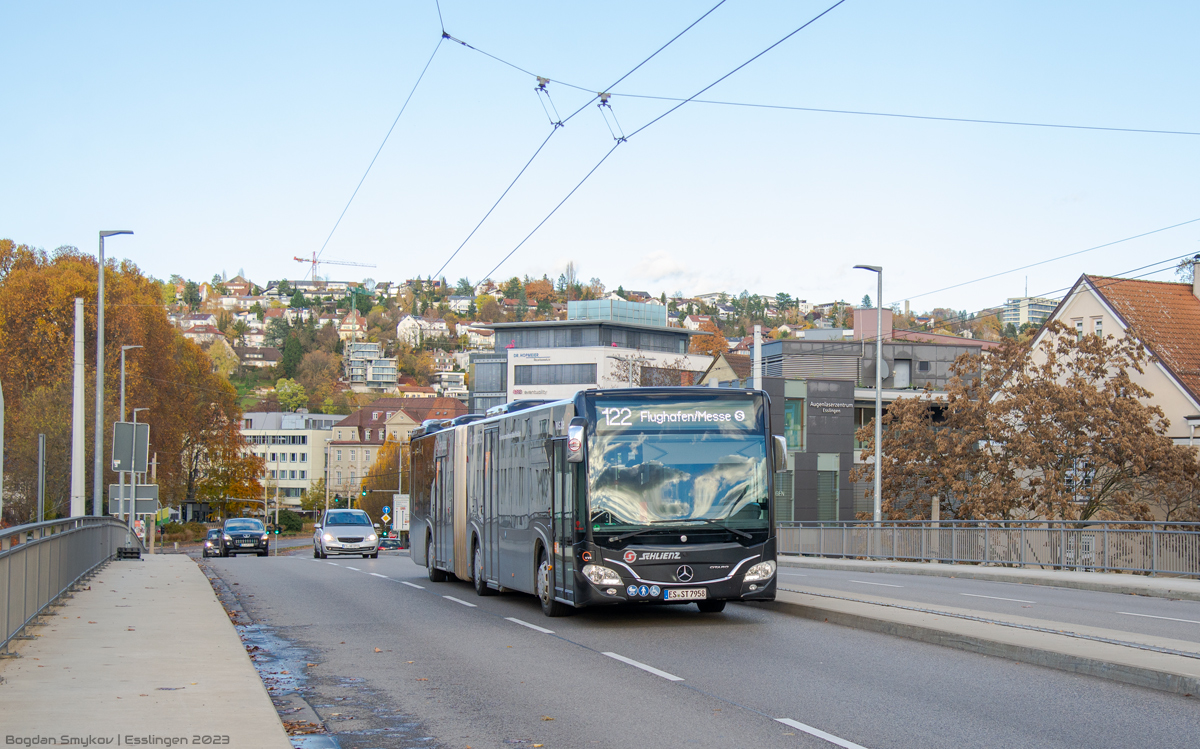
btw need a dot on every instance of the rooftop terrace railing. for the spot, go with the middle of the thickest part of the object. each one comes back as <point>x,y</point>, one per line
<point>40,563</point>
<point>1103,546</point>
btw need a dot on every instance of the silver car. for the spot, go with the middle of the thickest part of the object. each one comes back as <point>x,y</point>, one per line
<point>345,532</point>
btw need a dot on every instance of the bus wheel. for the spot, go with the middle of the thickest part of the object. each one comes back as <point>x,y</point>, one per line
<point>545,590</point>
<point>435,575</point>
<point>481,586</point>
<point>710,607</point>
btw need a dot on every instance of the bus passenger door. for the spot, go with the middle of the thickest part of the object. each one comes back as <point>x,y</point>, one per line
<point>562,508</point>
<point>442,537</point>
<point>491,523</point>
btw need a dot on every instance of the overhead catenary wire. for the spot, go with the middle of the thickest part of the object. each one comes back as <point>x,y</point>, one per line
<point>933,118</point>
<point>625,139</point>
<point>556,124</point>
<point>1053,259</point>
<point>384,142</point>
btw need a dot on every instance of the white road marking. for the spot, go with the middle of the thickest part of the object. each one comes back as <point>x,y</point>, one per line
<point>413,585</point>
<point>644,667</point>
<point>1168,618</point>
<point>819,733</point>
<point>793,574</point>
<point>335,564</point>
<point>531,626</point>
<point>459,600</point>
<point>353,568</point>
<point>376,574</point>
<point>996,598</point>
<point>886,585</point>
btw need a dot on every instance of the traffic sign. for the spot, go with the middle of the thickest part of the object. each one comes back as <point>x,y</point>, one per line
<point>386,518</point>
<point>386,510</point>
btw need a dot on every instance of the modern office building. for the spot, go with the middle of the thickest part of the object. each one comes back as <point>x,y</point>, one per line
<point>293,446</point>
<point>1028,309</point>
<point>601,344</point>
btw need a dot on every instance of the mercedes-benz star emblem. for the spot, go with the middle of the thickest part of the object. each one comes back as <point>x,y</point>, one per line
<point>684,574</point>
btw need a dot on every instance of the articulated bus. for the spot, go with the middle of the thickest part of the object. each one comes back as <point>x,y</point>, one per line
<point>647,495</point>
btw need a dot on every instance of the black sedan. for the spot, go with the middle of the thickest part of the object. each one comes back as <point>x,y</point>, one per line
<point>244,536</point>
<point>212,543</point>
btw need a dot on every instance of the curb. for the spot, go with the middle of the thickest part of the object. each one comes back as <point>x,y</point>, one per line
<point>1163,681</point>
<point>971,572</point>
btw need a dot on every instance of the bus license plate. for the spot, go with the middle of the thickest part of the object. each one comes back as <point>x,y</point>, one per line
<point>687,594</point>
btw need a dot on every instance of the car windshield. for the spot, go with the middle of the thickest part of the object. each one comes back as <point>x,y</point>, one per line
<point>243,525</point>
<point>347,518</point>
<point>214,533</point>
<point>649,470</point>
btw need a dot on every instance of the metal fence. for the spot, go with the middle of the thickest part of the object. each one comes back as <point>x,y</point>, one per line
<point>1159,548</point>
<point>40,562</point>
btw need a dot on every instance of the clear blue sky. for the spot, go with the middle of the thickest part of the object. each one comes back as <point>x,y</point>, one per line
<point>230,136</point>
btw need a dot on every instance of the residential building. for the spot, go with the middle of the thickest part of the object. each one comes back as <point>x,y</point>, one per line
<point>367,369</point>
<point>353,327</point>
<point>451,384</point>
<point>257,356</point>
<point>460,305</point>
<point>442,361</point>
<point>695,322</point>
<point>293,446</point>
<point>478,338</point>
<point>198,318</point>
<point>413,329</point>
<point>711,298</point>
<point>1165,318</point>
<point>596,347</point>
<point>238,287</point>
<point>415,391</point>
<point>1029,309</point>
<point>202,334</point>
<point>355,445</point>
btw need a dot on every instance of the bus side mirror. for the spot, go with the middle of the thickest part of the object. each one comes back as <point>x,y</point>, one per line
<point>575,441</point>
<point>780,453</point>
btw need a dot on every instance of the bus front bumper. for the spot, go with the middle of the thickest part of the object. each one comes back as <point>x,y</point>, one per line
<point>633,592</point>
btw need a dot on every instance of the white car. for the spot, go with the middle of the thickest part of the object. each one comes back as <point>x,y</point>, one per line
<point>345,532</point>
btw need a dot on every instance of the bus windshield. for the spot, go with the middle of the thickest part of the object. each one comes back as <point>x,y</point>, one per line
<point>681,464</point>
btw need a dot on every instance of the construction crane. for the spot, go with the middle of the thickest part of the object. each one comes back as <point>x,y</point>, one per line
<point>315,262</point>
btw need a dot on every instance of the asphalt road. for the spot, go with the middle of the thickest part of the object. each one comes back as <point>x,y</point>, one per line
<point>1160,617</point>
<point>456,670</point>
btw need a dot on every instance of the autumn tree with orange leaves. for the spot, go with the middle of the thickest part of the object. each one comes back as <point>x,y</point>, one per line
<point>712,344</point>
<point>193,413</point>
<point>1060,431</point>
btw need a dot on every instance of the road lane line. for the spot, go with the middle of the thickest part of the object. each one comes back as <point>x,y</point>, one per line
<point>819,733</point>
<point>353,568</point>
<point>996,598</point>
<point>1168,618</point>
<point>335,564</point>
<point>376,574</point>
<point>793,574</point>
<point>531,626</point>
<point>412,585</point>
<point>886,585</point>
<point>644,667</point>
<point>459,600</point>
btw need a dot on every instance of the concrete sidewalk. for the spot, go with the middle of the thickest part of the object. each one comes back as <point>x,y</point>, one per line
<point>147,655</point>
<point>1105,582</point>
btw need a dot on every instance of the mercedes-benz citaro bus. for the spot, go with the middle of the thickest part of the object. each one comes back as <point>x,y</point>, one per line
<point>634,496</point>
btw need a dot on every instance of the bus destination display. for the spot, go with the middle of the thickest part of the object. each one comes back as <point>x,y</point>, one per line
<point>612,415</point>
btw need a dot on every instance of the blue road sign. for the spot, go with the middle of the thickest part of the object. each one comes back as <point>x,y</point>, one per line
<point>386,509</point>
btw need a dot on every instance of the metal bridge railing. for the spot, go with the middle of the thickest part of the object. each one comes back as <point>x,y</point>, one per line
<point>40,562</point>
<point>1155,548</point>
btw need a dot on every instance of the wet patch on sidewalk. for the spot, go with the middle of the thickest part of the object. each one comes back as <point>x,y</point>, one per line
<point>318,710</point>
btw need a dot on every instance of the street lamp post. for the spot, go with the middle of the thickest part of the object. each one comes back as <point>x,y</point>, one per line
<point>878,270</point>
<point>134,478</point>
<point>123,350</point>
<point>98,463</point>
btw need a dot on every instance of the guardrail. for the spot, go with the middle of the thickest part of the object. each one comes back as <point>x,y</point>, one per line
<point>1153,548</point>
<point>40,562</point>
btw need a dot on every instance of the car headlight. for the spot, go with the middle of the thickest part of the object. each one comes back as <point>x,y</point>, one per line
<point>601,575</point>
<point>208,543</point>
<point>266,536</point>
<point>227,537</point>
<point>372,537</point>
<point>328,537</point>
<point>760,571</point>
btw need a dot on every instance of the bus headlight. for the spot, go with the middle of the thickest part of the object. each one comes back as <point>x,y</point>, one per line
<point>760,571</point>
<point>601,575</point>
